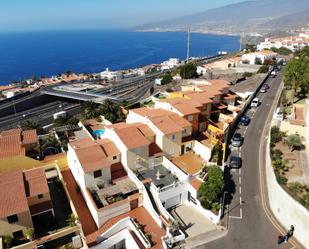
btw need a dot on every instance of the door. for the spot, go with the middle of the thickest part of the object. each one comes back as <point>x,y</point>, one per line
<point>182,149</point>
<point>134,204</point>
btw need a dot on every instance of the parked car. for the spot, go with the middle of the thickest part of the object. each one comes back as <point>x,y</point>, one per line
<point>244,120</point>
<point>235,161</point>
<point>263,89</point>
<point>236,140</point>
<point>266,86</point>
<point>273,74</point>
<point>255,102</point>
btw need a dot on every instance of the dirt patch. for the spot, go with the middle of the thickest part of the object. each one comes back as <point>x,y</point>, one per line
<point>292,160</point>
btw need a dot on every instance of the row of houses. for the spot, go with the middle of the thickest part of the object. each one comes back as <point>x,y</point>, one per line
<point>122,179</point>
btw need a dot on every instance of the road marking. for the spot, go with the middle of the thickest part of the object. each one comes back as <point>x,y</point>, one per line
<point>239,180</point>
<point>240,192</point>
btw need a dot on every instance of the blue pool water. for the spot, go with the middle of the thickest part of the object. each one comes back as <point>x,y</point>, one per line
<point>27,54</point>
<point>98,133</point>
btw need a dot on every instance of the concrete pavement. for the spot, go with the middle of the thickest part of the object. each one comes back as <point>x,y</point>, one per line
<point>249,226</point>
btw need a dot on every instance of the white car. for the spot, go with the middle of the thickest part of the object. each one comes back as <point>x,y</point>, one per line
<point>255,102</point>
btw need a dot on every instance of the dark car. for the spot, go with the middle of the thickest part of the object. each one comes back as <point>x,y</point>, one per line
<point>235,161</point>
<point>244,120</point>
<point>266,86</point>
<point>236,140</point>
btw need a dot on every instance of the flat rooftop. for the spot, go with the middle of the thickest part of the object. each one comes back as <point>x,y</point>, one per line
<point>190,163</point>
<point>160,176</point>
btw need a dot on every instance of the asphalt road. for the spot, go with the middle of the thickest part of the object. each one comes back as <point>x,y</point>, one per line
<point>248,224</point>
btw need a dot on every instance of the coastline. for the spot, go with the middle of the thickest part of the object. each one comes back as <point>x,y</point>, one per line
<point>204,32</point>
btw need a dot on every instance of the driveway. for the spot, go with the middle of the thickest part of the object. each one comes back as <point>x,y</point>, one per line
<point>197,228</point>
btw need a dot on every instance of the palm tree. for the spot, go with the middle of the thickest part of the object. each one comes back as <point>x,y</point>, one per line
<point>89,110</point>
<point>30,124</point>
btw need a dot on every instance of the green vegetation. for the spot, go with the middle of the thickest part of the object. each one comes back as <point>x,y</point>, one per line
<point>111,111</point>
<point>188,71</point>
<point>29,233</point>
<point>294,141</point>
<point>8,240</point>
<point>215,152</point>
<point>250,47</point>
<point>209,192</point>
<point>247,74</point>
<point>263,69</point>
<point>258,61</point>
<point>276,136</point>
<point>62,121</point>
<point>167,78</point>
<point>305,200</point>
<point>71,220</point>
<point>282,51</point>
<point>30,124</point>
<point>296,75</point>
<point>50,142</point>
<point>108,109</point>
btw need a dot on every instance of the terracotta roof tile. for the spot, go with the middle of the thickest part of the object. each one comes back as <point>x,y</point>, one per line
<point>35,182</point>
<point>29,137</point>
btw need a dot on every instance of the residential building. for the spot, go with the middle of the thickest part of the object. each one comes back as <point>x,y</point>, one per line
<point>16,142</point>
<point>23,195</point>
<point>169,64</point>
<point>293,43</point>
<point>172,132</point>
<point>97,169</point>
<point>262,56</point>
<point>111,75</point>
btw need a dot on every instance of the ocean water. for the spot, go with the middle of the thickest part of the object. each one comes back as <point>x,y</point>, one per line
<point>23,55</point>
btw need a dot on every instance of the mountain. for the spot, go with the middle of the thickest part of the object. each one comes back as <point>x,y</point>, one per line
<point>234,18</point>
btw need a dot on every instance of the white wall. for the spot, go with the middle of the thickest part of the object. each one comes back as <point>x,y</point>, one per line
<point>287,210</point>
<point>175,170</point>
<point>202,151</point>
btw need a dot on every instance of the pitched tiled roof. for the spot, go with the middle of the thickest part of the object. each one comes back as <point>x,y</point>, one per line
<point>109,147</point>
<point>12,142</point>
<point>142,216</point>
<point>12,194</point>
<point>35,182</point>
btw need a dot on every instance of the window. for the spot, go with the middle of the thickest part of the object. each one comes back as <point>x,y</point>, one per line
<point>12,218</point>
<point>114,157</point>
<point>18,234</point>
<point>173,137</point>
<point>137,151</point>
<point>97,173</point>
<point>190,118</point>
<point>40,196</point>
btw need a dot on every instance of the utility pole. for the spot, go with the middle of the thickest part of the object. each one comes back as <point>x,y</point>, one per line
<point>188,45</point>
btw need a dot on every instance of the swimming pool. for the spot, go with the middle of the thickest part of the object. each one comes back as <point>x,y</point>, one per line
<point>98,133</point>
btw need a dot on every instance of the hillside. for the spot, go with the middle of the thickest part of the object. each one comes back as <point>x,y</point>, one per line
<point>241,17</point>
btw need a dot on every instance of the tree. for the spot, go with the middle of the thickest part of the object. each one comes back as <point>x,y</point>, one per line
<point>89,110</point>
<point>258,61</point>
<point>210,190</point>
<point>282,51</point>
<point>8,240</point>
<point>294,141</point>
<point>167,78</point>
<point>30,124</point>
<point>263,69</point>
<point>62,121</point>
<point>188,71</point>
<point>111,111</point>
<point>276,135</point>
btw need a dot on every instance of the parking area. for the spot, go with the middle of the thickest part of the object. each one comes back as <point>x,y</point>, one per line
<point>191,222</point>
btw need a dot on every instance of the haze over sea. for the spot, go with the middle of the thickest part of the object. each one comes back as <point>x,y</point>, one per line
<point>23,55</point>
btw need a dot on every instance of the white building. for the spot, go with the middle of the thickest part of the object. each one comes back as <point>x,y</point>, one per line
<point>291,42</point>
<point>263,55</point>
<point>171,63</point>
<point>111,75</point>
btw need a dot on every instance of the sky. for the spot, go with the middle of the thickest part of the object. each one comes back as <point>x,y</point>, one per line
<point>24,15</point>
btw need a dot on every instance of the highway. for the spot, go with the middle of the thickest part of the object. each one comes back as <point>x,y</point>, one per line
<point>249,226</point>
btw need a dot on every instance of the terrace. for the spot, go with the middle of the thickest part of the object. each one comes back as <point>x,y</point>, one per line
<point>160,176</point>
<point>190,163</point>
<point>119,190</point>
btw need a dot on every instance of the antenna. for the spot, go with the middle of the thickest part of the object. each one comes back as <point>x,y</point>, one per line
<point>188,45</point>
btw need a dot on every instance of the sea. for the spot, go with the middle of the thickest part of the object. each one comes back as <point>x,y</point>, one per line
<point>27,54</point>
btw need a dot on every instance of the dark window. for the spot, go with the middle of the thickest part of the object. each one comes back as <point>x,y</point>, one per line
<point>97,173</point>
<point>114,157</point>
<point>18,234</point>
<point>12,218</point>
<point>40,196</point>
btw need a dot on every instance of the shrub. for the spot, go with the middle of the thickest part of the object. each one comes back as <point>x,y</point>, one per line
<point>282,180</point>
<point>305,200</point>
<point>29,233</point>
<point>188,71</point>
<point>8,240</point>
<point>167,78</point>
<point>263,69</point>
<point>295,187</point>
<point>294,141</point>
<point>276,135</point>
<point>247,74</point>
<point>277,154</point>
<point>71,220</point>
